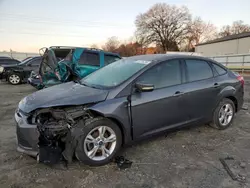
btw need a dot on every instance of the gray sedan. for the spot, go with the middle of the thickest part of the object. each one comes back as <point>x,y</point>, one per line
<point>126,101</point>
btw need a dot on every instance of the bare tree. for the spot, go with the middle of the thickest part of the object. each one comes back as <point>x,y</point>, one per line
<point>164,25</point>
<point>225,31</point>
<point>200,31</point>
<point>239,27</point>
<point>111,45</point>
<point>143,42</point>
<point>236,28</point>
<point>94,46</point>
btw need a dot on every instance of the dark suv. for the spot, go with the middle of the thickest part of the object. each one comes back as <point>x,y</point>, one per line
<point>19,72</point>
<point>125,101</point>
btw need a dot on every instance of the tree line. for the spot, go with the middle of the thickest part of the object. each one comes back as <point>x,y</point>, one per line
<point>170,28</point>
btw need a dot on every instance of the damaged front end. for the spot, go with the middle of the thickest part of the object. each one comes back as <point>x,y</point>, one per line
<point>56,138</point>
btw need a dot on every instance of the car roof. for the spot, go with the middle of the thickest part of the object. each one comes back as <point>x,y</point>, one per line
<point>86,48</point>
<point>163,57</point>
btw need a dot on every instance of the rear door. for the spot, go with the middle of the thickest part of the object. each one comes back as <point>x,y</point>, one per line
<point>200,89</point>
<point>89,62</point>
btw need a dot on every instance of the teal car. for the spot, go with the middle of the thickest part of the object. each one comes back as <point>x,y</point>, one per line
<point>63,64</point>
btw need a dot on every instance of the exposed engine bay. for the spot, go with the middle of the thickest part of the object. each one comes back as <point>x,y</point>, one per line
<point>56,141</point>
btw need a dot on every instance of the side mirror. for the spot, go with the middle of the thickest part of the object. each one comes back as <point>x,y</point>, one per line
<point>144,87</point>
<point>29,65</point>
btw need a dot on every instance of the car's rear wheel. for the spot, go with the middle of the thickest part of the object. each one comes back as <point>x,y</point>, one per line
<point>14,78</point>
<point>100,141</point>
<point>223,114</point>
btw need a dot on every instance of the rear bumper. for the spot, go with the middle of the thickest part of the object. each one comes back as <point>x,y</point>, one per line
<point>27,135</point>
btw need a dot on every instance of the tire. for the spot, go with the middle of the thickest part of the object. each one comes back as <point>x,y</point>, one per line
<point>14,78</point>
<point>82,147</point>
<point>216,123</point>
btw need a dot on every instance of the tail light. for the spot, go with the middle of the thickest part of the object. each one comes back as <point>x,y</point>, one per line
<point>241,79</point>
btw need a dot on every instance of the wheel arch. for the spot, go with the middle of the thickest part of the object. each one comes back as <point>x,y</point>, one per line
<point>115,120</point>
<point>11,71</point>
<point>235,101</point>
<point>229,92</point>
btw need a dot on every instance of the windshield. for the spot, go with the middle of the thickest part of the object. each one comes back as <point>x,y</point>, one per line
<point>114,73</point>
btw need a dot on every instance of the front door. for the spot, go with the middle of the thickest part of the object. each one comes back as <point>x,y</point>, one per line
<point>47,68</point>
<point>163,107</point>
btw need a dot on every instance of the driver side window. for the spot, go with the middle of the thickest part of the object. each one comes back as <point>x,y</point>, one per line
<point>163,75</point>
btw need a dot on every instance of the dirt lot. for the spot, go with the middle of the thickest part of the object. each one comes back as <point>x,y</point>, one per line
<point>185,159</point>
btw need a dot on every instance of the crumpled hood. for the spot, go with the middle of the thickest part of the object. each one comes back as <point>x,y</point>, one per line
<point>69,93</point>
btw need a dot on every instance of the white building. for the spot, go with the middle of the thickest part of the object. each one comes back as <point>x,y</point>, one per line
<point>229,45</point>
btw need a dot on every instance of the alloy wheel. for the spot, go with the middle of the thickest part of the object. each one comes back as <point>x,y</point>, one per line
<point>100,143</point>
<point>226,114</point>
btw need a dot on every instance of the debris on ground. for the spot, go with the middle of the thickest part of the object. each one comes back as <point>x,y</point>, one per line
<point>244,107</point>
<point>234,176</point>
<point>242,164</point>
<point>122,163</point>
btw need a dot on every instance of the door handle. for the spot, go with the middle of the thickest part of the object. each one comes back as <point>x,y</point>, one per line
<point>178,93</point>
<point>216,85</point>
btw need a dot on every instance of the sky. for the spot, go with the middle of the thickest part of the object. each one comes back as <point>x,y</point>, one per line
<point>28,25</point>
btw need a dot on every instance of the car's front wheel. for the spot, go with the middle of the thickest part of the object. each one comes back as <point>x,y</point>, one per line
<point>14,78</point>
<point>100,141</point>
<point>223,114</point>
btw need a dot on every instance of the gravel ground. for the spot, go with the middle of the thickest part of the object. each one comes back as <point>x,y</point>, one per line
<point>188,158</point>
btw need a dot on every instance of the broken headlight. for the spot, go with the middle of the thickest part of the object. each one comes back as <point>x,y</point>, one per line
<point>31,119</point>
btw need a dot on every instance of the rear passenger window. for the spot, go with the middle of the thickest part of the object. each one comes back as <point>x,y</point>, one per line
<point>219,69</point>
<point>198,70</point>
<point>90,58</point>
<point>110,59</point>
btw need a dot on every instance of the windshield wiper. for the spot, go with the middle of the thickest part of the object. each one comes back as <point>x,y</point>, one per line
<point>84,84</point>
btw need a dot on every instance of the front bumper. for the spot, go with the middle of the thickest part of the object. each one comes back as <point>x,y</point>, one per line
<point>27,135</point>
<point>3,75</point>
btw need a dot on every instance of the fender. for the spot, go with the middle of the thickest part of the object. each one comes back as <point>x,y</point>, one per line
<point>227,92</point>
<point>118,111</point>
<point>9,71</point>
